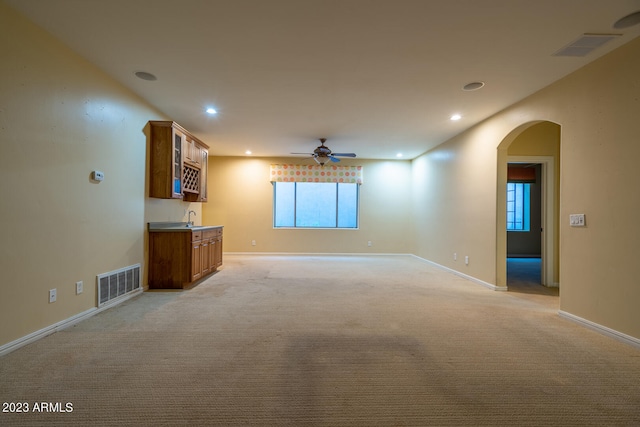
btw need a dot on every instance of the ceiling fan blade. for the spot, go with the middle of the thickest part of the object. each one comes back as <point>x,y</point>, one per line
<point>333,159</point>
<point>344,154</point>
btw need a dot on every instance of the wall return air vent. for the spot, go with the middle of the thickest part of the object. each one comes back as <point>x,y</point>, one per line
<point>118,283</point>
<point>586,44</point>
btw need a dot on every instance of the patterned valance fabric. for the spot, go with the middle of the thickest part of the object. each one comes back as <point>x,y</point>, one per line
<point>316,173</point>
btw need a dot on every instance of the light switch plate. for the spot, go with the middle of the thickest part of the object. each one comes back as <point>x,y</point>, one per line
<point>577,220</point>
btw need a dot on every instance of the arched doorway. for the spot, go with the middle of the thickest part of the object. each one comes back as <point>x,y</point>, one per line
<point>538,143</point>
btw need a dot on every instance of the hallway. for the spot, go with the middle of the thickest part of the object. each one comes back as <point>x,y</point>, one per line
<point>523,276</point>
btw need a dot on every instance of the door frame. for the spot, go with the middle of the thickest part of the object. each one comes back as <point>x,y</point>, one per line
<point>548,214</point>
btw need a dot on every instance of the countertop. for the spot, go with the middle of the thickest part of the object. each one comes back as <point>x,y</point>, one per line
<point>177,226</point>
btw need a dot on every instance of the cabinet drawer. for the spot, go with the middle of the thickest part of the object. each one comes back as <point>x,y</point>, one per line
<point>196,235</point>
<point>211,233</point>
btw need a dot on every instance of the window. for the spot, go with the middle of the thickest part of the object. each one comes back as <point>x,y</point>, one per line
<point>518,206</point>
<point>315,205</point>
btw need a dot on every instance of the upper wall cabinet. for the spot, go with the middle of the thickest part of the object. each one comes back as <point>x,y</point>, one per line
<point>195,171</point>
<point>192,152</point>
<point>178,163</point>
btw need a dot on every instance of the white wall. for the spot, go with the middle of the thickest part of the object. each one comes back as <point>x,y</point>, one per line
<point>240,198</point>
<point>456,199</point>
<point>454,193</point>
<point>60,119</point>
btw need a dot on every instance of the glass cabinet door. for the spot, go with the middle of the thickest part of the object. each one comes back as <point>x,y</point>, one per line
<point>177,164</point>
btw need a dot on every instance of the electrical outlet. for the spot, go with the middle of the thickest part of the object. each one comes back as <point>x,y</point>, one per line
<point>53,293</point>
<point>253,243</point>
<point>79,287</point>
<point>455,256</point>
<point>466,260</point>
<point>369,243</point>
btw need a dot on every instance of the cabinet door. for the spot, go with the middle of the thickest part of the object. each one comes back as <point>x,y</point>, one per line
<point>165,160</point>
<point>176,172</point>
<point>196,260</point>
<point>187,150</point>
<point>218,252</point>
<point>192,152</point>
<point>196,154</point>
<point>205,249</point>
<point>213,247</point>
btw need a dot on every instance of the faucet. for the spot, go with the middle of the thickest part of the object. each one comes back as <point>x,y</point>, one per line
<point>189,222</point>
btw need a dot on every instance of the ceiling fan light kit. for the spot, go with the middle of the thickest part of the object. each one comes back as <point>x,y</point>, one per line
<point>322,154</point>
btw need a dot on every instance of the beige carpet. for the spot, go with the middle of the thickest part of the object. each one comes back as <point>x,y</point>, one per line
<point>328,341</point>
<point>523,276</point>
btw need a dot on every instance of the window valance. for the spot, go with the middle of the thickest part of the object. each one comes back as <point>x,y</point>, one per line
<point>522,174</point>
<point>316,173</point>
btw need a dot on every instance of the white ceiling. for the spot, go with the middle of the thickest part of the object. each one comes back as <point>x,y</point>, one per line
<point>375,77</point>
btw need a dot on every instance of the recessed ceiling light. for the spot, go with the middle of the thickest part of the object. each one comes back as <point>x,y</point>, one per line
<point>473,86</point>
<point>248,152</point>
<point>627,21</point>
<point>145,76</point>
<point>456,117</point>
<point>399,155</point>
<point>211,111</point>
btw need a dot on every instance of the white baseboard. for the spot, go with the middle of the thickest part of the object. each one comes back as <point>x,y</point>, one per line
<point>315,254</point>
<point>63,324</point>
<point>466,276</point>
<point>627,339</point>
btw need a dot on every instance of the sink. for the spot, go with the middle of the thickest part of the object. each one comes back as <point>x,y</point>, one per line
<point>177,226</point>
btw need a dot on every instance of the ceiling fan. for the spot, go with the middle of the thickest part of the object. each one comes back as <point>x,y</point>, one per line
<point>322,154</point>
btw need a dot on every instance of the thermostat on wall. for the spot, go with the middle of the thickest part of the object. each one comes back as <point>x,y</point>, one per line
<point>97,175</point>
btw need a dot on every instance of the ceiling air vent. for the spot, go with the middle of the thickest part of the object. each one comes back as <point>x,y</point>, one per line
<point>585,44</point>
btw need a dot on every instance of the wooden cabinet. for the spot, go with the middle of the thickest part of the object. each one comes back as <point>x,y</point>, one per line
<point>205,248</point>
<point>187,153</point>
<point>196,255</point>
<point>211,249</point>
<point>201,194</point>
<point>216,251</point>
<point>165,160</point>
<point>177,163</point>
<point>180,259</point>
<point>192,153</point>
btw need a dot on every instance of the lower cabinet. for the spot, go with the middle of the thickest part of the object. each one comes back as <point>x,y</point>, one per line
<point>205,256</point>
<point>179,259</point>
<point>212,249</point>
<point>196,255</point>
